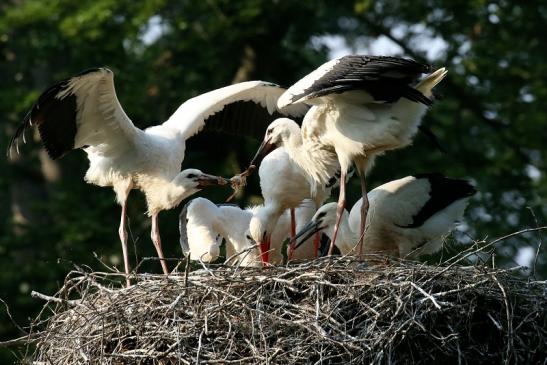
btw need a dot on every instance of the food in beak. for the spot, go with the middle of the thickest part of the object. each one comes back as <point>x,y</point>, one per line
<point>210,180</point>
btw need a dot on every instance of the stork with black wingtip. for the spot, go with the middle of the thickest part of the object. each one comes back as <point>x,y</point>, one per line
<point>362,106</point>
<point>83,112</point>
<point>408,217</point>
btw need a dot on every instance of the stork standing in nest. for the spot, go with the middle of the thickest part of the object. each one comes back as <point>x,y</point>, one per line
<point>408,217</point>
<point>362,106</point>
<point>83,112</point>
<point>284,185</point>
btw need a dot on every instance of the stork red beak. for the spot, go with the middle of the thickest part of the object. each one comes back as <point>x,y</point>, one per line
<point>205,180</point>
<point>265,148</point>
<point>265,249</point>
<point>264,252</point>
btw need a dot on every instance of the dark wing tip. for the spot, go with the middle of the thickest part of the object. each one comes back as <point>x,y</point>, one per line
<point>443,192</point>
<point>392,61</point>
<point>23,126</point>
<point>55,118</point>
<point>453,188</point>
<point>89,71</point>
<point>385,78</point>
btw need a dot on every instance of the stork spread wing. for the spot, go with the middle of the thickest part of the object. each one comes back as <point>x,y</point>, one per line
<point>385,79</point>
<point>77,112</point>
<point>245,109</point>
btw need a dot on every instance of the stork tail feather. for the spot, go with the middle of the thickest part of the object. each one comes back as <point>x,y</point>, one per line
<point>427,84</point>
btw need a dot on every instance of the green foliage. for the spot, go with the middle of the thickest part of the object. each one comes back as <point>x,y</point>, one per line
<point>491,116</point>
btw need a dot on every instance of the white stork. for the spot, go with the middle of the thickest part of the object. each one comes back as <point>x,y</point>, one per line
<point>362,106</point>
<point>83,112</point>
<point>408,217</point>
<point>201,221</point>
<point>284,185</point>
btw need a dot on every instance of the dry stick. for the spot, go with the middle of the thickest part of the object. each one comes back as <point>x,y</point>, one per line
<point>427,295</point>
<point>48,298</point>
<point>23,340</point>
<point>232,295</point>
<point>509,322</point>
<point>490,244</point>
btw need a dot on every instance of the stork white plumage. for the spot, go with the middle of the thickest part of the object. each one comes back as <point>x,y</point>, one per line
<point>284,185</point>
<point>84,112</point>
<point>362,107</point>
<point>201,221</point>
<point>408,217</point>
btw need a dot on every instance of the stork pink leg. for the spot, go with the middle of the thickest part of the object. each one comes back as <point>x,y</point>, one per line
<point>339,209</point>
<point>293,233</point>
<point>155,235</point>
<point>123,238</point>
<point>364,212</point>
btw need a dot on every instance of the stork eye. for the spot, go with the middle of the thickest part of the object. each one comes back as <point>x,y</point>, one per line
<point>191,176</point>
<point>248,237</point>
<point>321,215</point>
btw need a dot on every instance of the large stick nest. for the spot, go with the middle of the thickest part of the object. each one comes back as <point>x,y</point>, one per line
<point>331,310</point>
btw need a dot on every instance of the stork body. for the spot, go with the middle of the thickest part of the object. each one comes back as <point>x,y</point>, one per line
<point>362,106</point>
<point>84,112</point>
<point>285,185</point>
<point>201,221</point>
<point>408,217</point>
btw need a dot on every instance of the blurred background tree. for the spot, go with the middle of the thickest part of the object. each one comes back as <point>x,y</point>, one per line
<point>490,116</point>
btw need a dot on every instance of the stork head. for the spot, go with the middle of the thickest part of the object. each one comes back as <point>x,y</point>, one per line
<point>260,230</point>
<point>278,133</point>
<point>195,180</point>
<point>323,219</point>
<point>186,183</point>
<point>249,255</point>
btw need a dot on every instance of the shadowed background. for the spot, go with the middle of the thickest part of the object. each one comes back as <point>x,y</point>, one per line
<point>490,115</point>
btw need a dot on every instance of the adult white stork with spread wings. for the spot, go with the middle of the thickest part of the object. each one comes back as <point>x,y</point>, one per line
<point>83,112</point>
<point>362,106</point>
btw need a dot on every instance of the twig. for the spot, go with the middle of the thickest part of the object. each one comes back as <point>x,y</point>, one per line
<point>428,296</point>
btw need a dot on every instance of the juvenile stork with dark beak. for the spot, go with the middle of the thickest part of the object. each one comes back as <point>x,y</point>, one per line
<point>83,112</point>
<point>362,106</point>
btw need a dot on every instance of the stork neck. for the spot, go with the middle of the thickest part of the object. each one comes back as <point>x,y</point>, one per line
<point>293,141</point>
<point>295,149</point>
<point>162,194</point>
<point>176,191</point>
<point>222,225</point>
